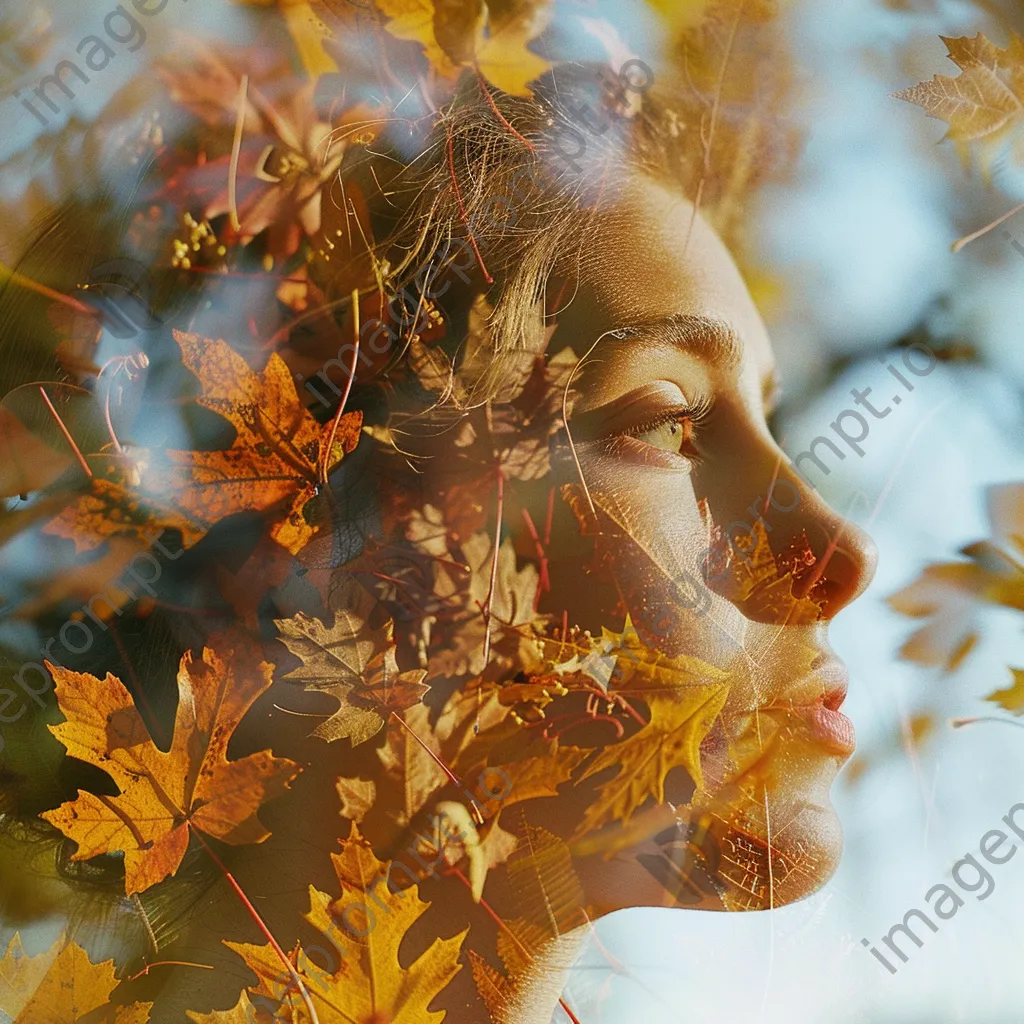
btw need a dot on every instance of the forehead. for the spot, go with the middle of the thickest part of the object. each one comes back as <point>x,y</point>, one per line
<point>650,258</point>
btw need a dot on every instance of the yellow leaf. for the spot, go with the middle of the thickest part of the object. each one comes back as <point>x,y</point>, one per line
<point>414,20</point>
<point>61,987</point>
<point>466,33</point>
<point>671,739</point>
<point>1012,698</point>
<point>365,981</point>
<point>985,102</point>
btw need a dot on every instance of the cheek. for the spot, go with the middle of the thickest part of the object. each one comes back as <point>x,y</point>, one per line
<point>653,540</point>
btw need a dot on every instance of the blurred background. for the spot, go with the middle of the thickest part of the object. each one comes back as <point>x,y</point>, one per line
<point>858,245</point>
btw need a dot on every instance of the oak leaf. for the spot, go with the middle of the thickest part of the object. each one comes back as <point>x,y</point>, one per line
<point>275,456</point>
<point>62,986</point>
<point>165,795</point>
<point>370,983</point>
<point>355,664</point>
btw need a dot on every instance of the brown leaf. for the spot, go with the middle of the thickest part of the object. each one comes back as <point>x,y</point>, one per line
<point>357,665</point>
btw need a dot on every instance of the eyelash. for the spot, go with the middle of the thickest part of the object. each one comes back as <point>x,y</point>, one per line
<point>695,414</point>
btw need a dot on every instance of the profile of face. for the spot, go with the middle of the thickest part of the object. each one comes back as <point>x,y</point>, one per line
<point>632,701</point>
<point>681,513</point>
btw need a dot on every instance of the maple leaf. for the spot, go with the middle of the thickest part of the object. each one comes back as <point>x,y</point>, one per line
<point>670,739</point>
<point>108,508</point>
<point>985,102</point>
<point>165,795</point>
<point>355,664</point>
<point>371,984</point>
<point>62,986</point>
<point>275,456</point>
<point>536,767</point>
<point>511,614</point>
<point>1012,698</point>
<point>493,37</point>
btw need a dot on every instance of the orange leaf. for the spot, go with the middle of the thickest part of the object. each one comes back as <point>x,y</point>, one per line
<point>276,454</point>
<point>163,795</point>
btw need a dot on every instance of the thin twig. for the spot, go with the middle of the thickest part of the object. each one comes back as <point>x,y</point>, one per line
<point>497,113</point>
<point>967,239</point>
<point>326,454</point>
<point>261,924</point>
<point>64,430</point>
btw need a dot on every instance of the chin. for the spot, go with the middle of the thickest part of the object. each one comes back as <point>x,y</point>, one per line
<point>779,837</point>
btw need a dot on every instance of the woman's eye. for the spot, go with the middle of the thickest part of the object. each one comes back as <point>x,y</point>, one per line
<point>672,435</point>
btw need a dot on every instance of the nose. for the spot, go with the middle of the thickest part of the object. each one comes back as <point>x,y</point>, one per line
<point>830,559</point>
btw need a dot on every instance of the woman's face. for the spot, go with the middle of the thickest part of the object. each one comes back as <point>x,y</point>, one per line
<point>671,480</point>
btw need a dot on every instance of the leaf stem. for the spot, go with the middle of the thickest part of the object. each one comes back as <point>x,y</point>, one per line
<point>326,453</point>
<point>254,913</point>
<point>64,430</point>
<point>412,732</point>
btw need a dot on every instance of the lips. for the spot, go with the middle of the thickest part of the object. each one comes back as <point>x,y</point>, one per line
<point>822,718</point>
<point>828,727</point>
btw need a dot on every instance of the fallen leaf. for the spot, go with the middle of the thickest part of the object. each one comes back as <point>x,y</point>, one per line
<point>276,453</point>
<point>356,665</point>
<point>165,795</point>
<point>62,986</point>
<point>370,984</point>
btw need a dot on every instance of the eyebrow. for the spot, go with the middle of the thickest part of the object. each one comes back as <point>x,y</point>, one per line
<point>705,336</point>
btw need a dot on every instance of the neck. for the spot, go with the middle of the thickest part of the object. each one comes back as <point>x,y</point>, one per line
<point>536,996</point>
